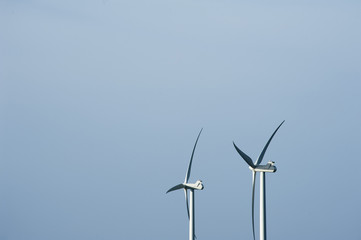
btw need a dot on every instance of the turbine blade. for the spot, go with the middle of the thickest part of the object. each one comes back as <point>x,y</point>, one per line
<point>260,158</point>
<point>186,197</point>
<point>244,156</point>
<point>253,188</point>
<point>176,187</point>
<point>190,162</point>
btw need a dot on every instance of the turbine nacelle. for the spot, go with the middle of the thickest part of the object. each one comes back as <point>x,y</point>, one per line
<point>197,185</point>
<point>269,167</point>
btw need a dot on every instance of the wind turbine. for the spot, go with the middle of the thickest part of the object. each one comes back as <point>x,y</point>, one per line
<point>191,187</point>
<point>256,167</point>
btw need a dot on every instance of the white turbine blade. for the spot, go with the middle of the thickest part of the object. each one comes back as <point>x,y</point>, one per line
<point>253,188</point>
<point>190,162</point>
<point>259,160</point>
<point>244,156</point>
<point>179,186</point>
<point>186,197</point>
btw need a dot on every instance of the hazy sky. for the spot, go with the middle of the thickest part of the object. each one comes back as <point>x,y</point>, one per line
<point>101,102</point>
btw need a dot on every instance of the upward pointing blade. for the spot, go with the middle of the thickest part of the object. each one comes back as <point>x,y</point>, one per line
<point>259,160</point>
<point>190,162</point>
<point>253,188</point>
<point>244,156</point>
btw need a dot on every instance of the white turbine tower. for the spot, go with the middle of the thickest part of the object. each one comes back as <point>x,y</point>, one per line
<point>256,167</point>
<point>191,187</point>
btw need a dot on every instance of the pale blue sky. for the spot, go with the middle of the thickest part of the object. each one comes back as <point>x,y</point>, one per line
<point>101,102</point>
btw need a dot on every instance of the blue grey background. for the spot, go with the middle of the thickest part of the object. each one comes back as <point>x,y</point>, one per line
<point>101,102</point>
